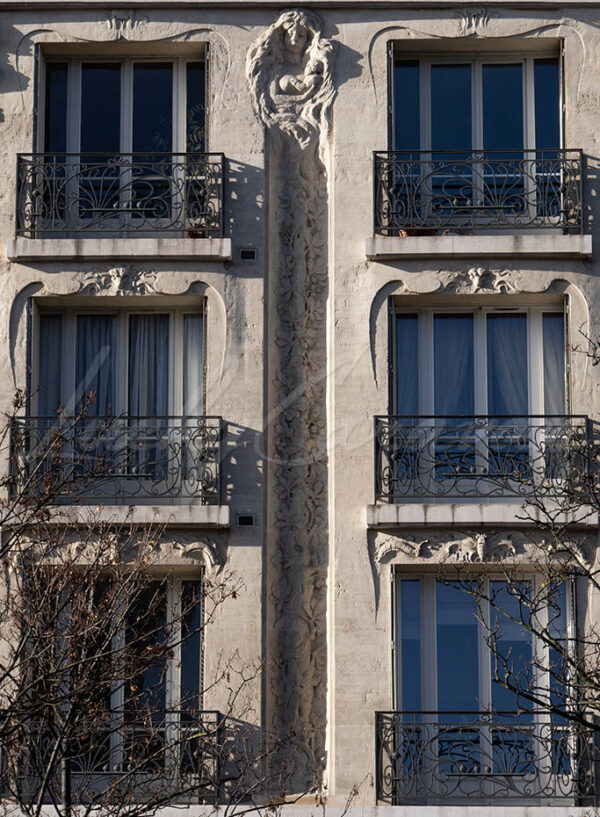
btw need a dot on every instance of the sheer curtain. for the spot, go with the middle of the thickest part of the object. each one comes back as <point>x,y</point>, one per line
<point>507,365</point>
<point>407,364</point>
<point>95,363</point>
<point>554,363</point>
<point>148,366</point>
<point>454,372</point>
<point>193,366</point>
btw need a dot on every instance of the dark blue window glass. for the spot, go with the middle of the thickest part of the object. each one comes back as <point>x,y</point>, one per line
<point>406,106</point>
<point>503,107</point>
<point>153,107</point>
<point>453,364</point>
<point>100,107</point>
<point>457,649</point>
<point>451,107</point>
<point>410,617</point>
<point>407,364</point>
<point>507,364</point>
<point>191,622</point>
<point>55,115</point>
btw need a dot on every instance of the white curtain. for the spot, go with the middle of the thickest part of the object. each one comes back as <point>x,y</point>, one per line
<point>148,365</point>
<point>50,365</point>
<point>554,363</point>
<point>193,366</point>
<point>95,363</point>
<point>507,365</point>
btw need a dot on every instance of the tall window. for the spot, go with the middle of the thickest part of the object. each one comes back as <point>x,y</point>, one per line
<point>143,364</point>
<point>479,362</point>
<point>124,106</point>
<point>491,103</point>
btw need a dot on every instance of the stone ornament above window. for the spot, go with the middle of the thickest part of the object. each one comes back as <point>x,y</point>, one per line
<point>289,69</point>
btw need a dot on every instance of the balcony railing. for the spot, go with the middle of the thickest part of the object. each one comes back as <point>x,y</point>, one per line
<point>118,459</point>
<point>427,758</point>
<point>65,193</point>
<point>479,456</point>
<point>469,191</point>
<point>179,755</point>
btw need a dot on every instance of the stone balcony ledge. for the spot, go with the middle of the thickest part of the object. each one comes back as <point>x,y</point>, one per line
<point>76,249</point>
<point>542,244</point>
<point>181,516</point>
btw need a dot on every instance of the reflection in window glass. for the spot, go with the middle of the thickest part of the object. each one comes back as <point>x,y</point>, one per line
<point>195,107</point>
<point>547,104</point>
<point>511,659</point>
<point>407,364</point>
<point>191,645</point>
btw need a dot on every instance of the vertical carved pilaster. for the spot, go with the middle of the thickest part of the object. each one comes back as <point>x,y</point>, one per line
<point>289,71</point>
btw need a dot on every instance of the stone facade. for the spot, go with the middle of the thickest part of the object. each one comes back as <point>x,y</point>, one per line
<point>297,342</point>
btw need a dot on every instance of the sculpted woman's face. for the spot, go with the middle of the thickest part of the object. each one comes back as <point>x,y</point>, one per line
<point>295,37</point>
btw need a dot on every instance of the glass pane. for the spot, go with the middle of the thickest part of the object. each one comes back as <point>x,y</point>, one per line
<point>146,620</point>
<point>410,647</point>
<point>153,107</point>
<point>457,649</point>
<point>100,107</point>
<point>503,107</point>
<point>148,365</point>
<point>191,645</point>
<point>193,365</point>
<point>195,107</point>
<point>407,364</point>
<point>507,368</point>
<point>451,107</point>
<point>55,116</point>
<point>406,111</point>
<point>512,654</point>
<point>547,104</point>
<point>557,629</point>
<point>453,364</point>
<point>554,362</point>
<point>95,363</point>
<point>50,365</point>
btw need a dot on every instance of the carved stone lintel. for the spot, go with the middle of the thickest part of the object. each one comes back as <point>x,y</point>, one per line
<point>124,280</point>
<point>122,23</point>
<point>480,280</point>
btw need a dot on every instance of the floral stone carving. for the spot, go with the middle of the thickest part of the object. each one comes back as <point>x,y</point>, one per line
<point>289,69</point>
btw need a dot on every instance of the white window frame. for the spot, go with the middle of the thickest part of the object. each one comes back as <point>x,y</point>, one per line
<point>425,363</point>
<point>73,136</point>
<point>68,354</point>
<point>477,61</point>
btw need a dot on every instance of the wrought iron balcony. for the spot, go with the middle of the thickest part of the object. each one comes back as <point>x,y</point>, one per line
<point>459,757</point>
<point>180,755</point>
<point>464,192</point>
<point>118,459</point>
<point>62,194</point>
<point>479,456</point>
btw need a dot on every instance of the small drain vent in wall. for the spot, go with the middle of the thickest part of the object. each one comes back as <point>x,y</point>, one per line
<point>248,254</point>
<point>245,520</point>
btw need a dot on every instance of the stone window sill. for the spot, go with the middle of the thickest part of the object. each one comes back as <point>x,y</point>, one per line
<point>539,245</point>
<point>75,249</point>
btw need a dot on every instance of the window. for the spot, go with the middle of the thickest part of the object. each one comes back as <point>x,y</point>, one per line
<point>125,390</point>
<point>143,364</point>
<point>504,103</point>
<point>478,405</point>
<point>125,106</point>
<point>457,731</point>
<point>504,362</point>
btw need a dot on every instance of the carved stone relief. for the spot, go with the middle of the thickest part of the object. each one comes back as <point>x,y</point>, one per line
<point>121,24</point>
<point>479,280</point>
<point>472,21</point>
<point>456,546</point>
<point>124,280</point>
<point>289,69</point>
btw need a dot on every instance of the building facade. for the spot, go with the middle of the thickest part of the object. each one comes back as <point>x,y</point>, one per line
<point>337,263</point>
